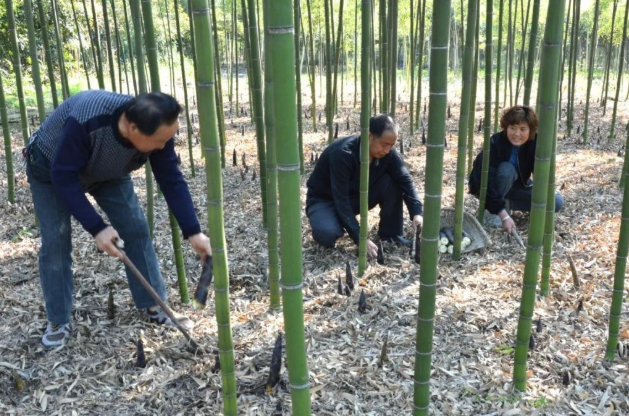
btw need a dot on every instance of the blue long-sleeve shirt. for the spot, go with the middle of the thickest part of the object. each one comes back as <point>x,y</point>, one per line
<point>336,177</point>
<point>84,147</point>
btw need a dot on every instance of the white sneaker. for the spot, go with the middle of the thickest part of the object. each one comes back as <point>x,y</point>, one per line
<point>158,316</point>
<point>56,335</point>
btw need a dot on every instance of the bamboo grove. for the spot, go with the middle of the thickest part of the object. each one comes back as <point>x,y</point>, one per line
<point>285,65</point>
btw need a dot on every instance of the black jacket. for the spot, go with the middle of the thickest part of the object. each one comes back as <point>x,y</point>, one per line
<point>500,151</point>
<point>336,177</point>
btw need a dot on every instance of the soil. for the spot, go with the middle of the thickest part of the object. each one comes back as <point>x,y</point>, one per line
<point>476,317</point>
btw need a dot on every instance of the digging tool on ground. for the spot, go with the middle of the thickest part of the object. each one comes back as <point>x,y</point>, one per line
<point>154,295</point>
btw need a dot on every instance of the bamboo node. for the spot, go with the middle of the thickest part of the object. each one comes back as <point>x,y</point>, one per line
<point>292,287</point>
<point>422,383</point>
<point>201,11</point>
<point>300,386</point>
<point>288,168</point>
<point>282,30</point>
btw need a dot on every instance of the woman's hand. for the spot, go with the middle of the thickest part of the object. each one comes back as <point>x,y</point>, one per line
<point>507,222</point>
<point>372,249</point>
<point>418,220</point>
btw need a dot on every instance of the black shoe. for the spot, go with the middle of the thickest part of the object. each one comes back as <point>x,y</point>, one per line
<point>398,239</point>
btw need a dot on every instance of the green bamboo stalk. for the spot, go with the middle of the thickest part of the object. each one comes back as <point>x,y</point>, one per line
<point>156,86</point>
<point>488,109</point>
<point>625,165</point>
<point>468,61</point>
<point>524,25</point>
<point>530,67</point>
<point>65,87</point>
<point>412,70</point>
<point>96,43</point>
<point>245,23</point>
<point>605,88</point>
<point>313,94</point>
<point>328,74</point>
<point>130,47</point>
<point>365,100</point>
<point>121,61</point>
<point>615,311</point>
<point>257,108</point>
<point>300,131</point>
<point>549,225</point>
<point>339,34</point>
<point>384,57</point>
<point>281,48</point>
<point>498,61</point>
<point>621,62</point>
<point>208,129</point>
<point>32,46</point>
<point>356,51</point>
<point>182,64</point>
<point>271,167</point>
<point>43,22</point>
<point>151,46</point>
<point>136,15</point>
<point>17,70</point>
<point>235,50</point>
<point>591,71</point>
<point>420,53</point>
<point>110,49</point>
<point>572,75</point>
<point>8,152</point>
<point>471,125</point>
<point>168,49</point>
<point>393,55</point>
<point>78,34</point>
<point>549,76</point>
<point>563,59</point>
<point>219,88</point>
<point>432,205</point>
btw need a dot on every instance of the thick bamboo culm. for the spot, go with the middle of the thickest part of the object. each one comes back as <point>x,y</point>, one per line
<point>432,206</point>
<point>549,76</point>
<point>281,46</point>
<point>208,130</point>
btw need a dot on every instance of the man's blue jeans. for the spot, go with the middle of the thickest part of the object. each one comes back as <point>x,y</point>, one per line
<point>119,201</point>
<point>519,196</point>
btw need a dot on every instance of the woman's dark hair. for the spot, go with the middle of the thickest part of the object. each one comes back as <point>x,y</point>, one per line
<point>520,114</point>
<point>149,111</point>
<point>380,123</point>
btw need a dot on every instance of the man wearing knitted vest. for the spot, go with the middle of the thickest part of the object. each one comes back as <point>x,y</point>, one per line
<point>90,144</point>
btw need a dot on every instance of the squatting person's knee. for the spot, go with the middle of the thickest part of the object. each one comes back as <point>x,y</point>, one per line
<point>325,237</point>
<point>558,202</point>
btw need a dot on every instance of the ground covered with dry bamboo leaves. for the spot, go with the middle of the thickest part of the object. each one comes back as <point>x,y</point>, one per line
<point>477,308</point>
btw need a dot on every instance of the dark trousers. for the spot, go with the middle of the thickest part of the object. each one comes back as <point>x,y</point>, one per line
<point>326,225</point>
<point>511,189</point>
